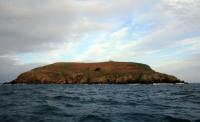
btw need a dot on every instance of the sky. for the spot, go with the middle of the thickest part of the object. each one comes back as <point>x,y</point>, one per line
<point>164,34</point>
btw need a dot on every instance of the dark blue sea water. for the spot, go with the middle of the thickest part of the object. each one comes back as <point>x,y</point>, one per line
<point>100,103</point>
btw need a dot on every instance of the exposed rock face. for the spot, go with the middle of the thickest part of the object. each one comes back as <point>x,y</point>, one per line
<point>91,73</point>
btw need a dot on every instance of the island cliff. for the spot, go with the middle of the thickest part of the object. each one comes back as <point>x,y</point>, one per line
<point>94,73</point>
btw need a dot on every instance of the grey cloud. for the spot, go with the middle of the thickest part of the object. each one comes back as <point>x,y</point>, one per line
<point>10,70</point>
<point>185,69</point>
<point>30,25</point>
<point>27,26</point>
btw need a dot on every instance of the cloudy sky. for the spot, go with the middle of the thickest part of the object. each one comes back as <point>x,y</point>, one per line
<point>164,34</point>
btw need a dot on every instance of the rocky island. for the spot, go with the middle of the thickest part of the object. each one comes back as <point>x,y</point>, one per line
<point>94,73</point>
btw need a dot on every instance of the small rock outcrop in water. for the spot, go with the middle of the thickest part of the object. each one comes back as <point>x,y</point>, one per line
<point>94,73</point>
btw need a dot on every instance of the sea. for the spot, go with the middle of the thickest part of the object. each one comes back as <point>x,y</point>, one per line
<point>100,103</point>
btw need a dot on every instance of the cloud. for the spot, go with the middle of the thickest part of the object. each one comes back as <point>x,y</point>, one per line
<point>28,26</point>
<point>185,69</point>
<point>150,32</point>
<point>10,68</point>
<point>170,40</point>
<point>120,33</point>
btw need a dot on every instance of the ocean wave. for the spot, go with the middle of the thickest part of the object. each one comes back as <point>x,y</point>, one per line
<point>103,103</point>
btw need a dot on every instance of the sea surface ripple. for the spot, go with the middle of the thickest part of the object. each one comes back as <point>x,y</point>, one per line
<point>100,103</point>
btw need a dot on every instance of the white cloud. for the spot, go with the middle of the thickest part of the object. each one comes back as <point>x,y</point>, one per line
<point>119,34</point>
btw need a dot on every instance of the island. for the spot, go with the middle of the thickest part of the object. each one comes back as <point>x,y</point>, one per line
<point>109,72</point>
